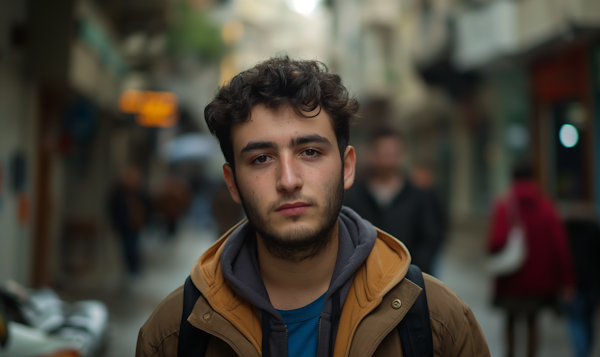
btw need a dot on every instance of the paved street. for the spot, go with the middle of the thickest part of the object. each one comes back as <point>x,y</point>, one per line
<point>168,263</point>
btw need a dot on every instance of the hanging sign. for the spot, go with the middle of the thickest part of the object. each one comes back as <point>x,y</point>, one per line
<point>151,109</point>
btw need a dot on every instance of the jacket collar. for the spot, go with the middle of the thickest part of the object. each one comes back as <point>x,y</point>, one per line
<point>383,270</point>
<point>385,266</point>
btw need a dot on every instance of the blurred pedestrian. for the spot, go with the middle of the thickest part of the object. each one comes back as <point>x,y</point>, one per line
<point>391,202</point>
<point>171,203</point>
<point>584,238</point>
<point>422,176</point>
<point>224,210</point>
<point>129,210</point>
<point>547,272</point>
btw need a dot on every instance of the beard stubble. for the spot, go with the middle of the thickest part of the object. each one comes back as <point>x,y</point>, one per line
<point>302,243</point>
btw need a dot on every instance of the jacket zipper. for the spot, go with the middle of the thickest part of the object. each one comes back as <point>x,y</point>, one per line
<point>319,336</point>
<point>287,335</point>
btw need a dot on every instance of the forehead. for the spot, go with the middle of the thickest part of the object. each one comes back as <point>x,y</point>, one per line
<point>280,125</point>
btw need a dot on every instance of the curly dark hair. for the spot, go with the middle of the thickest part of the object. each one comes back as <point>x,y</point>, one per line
<point>303,85</point>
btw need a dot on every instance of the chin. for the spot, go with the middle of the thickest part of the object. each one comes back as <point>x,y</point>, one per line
<point>294,229</point>
<point>297,229</point>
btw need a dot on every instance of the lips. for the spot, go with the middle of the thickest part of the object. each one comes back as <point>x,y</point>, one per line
<point>290,209</point>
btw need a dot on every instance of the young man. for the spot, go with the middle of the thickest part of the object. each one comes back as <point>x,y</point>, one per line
<point>303,276</point>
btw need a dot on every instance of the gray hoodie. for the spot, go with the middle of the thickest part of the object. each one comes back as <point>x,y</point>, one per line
<point>240,266</point>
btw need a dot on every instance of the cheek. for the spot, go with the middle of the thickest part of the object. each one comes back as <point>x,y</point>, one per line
<point>326,177</point>
<point>255,186</point>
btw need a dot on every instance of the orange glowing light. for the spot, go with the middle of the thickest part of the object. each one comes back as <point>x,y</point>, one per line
<point>153,109</point>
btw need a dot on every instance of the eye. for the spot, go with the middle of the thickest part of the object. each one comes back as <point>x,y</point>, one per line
<point>311,153</point>
<point>262,159</point>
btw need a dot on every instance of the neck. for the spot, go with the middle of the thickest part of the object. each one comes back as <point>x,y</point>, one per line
<point>292,285</point>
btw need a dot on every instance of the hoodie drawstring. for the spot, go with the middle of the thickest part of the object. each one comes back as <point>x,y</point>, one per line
<point>266,332</point>
<point>335,319</point>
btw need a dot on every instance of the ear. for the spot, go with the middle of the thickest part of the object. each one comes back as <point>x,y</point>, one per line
<point>349,167</point>
<point>230,181</point>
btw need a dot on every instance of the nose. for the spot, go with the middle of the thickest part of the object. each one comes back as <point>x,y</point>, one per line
<point>289,180</point>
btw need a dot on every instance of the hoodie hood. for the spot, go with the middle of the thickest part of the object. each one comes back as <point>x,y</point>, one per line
<point>229,278</point>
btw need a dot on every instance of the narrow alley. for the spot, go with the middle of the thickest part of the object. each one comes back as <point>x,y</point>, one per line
<point>117,116</point>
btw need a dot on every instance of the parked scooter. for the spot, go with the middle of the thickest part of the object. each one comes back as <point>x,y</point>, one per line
<point>37,323</point>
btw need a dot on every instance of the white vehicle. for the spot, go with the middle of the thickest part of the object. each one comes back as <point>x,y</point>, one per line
<point>36,323</point>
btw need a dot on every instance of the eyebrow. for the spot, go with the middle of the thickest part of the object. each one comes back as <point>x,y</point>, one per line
<point>258,145</point>
<point>306,139</point>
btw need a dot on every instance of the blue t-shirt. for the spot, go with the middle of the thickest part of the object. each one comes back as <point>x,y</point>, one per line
<point>303,328</point>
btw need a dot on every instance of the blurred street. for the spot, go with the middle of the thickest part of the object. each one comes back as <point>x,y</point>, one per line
<point>167,264</point>
<point>487,112</point>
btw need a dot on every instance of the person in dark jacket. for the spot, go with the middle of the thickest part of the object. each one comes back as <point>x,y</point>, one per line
<point>171,203</point>
<point>225,211</point>
<point>391,202</point>
<point>129,210</point>
<point>422,176</point>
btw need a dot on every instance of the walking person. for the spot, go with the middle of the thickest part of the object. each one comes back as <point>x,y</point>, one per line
<point>171,203</point>
<point>547,272</point>
<point>389,200</point>
<point>129,211</point>
<point>423,177</point>
<point>225,211</point>
<point>303,275</point>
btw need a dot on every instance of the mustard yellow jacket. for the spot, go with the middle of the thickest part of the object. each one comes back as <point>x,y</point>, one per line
<point>367,324</point>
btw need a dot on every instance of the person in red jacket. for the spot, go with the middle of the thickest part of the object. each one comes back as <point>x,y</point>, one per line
<point>547,272</point>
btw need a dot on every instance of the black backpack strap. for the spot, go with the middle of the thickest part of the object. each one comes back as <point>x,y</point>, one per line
<point>192,341</point>
<point>415,327</point>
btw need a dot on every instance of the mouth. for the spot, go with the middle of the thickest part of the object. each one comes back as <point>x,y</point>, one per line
<point>290,209</point>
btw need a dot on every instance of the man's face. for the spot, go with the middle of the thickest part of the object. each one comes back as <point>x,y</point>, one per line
<point>289,178</point>
<point>386,154</point>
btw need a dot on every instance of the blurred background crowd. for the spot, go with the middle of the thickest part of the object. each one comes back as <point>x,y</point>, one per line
<point>110,184</point>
